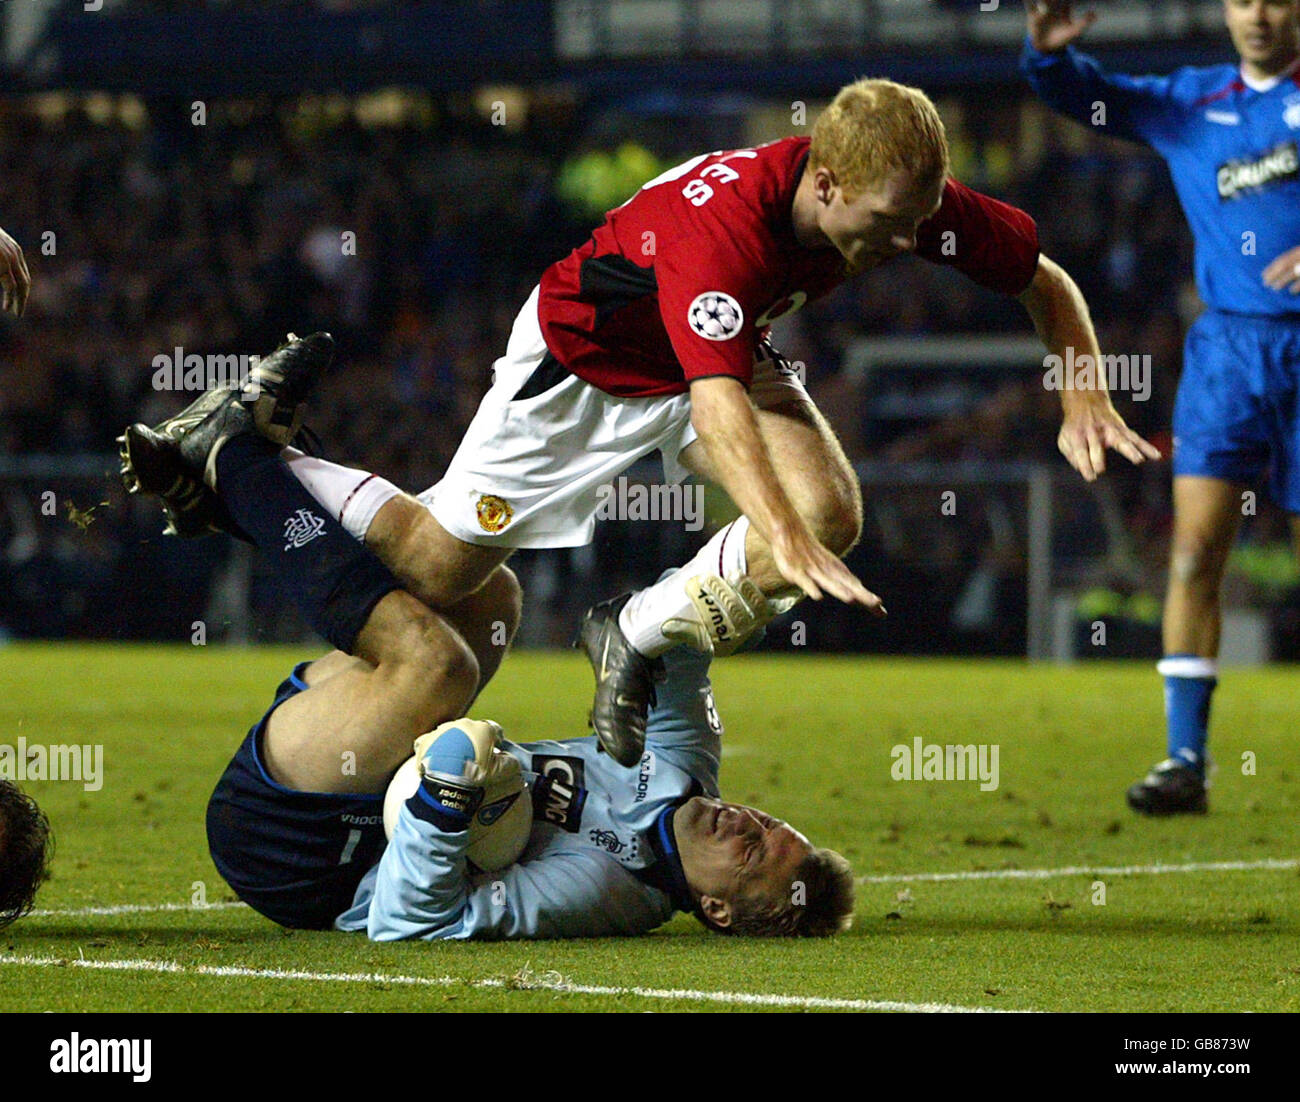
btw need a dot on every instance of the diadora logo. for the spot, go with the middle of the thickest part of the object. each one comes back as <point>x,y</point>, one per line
<point>1223,118</point>
<point>558,793</point>
<point>301,528</point>
<point>646,771</point>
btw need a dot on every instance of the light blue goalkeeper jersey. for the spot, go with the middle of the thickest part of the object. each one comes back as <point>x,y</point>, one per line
<point>1232,152</point>
<point>601,859</point>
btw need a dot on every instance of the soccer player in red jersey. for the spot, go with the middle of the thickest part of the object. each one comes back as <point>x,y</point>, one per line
<point>652,336</point>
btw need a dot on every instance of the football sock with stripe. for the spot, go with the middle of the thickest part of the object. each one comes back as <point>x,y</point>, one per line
<point>1189,685</point>
<point>351,496</point>
<point>645,614</point>
<point>332,577</point>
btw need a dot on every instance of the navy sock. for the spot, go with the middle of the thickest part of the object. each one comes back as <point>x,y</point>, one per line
<point>333,578</point>
<point>1189,685</point>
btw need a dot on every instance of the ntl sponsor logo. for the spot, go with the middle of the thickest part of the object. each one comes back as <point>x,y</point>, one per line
<point>1113,373</point>
<point>53,763</point>
<point>623,500</point>
<point>88,1054</point>
<point>924,761</point>
<point>181,371</point>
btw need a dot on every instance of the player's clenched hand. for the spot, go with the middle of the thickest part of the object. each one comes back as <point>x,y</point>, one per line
<point>816,570</point>
<point>1053,26</point>
<point>1284,273</point>
<point>14,276</point>
<point>1090,427</point>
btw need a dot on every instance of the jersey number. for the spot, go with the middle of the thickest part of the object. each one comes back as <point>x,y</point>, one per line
<point>699,191</point>
<point>349,847</point>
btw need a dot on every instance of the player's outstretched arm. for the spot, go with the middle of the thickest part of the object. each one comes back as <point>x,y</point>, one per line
<point>724,420</point>
<point>1091,424</point>
<point>1074,84</point>
<point>14,277</point>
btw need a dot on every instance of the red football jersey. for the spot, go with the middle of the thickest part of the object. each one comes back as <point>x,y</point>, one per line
<point>682,280</point>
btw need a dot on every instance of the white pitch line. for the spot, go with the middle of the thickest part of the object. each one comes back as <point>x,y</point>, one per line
<point>132,909</point>
<point>1271,864</point>
<point>1263,865</point>
<point>540,983</point>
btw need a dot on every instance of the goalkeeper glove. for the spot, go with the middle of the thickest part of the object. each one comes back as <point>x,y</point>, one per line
<point>727,615</point>
<point>454,762</point>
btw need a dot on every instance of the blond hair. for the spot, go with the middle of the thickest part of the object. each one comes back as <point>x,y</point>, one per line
<point>876,127</point>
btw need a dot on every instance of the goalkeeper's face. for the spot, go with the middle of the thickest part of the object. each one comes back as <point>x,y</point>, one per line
<point>731,853</point>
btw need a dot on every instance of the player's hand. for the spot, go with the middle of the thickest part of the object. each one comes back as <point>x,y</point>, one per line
<point>816,570</point>
<point>455,761</point>
<point>14,277</point>
<point>1053,26</point>
<point>1092,426</point>
<point>1284,273</point>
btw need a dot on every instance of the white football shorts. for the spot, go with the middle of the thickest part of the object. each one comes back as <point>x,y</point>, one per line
<point>528,471</point>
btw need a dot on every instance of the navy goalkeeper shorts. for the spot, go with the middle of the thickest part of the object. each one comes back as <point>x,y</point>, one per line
<point>295,857</point>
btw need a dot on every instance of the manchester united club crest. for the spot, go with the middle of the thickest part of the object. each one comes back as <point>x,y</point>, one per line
<point>494,513</point>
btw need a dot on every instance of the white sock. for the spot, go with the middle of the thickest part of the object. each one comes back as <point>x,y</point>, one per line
<point>352,497</point>
<point>644,615</point>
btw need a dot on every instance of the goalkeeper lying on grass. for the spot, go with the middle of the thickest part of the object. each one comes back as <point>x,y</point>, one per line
<point>296,823</point>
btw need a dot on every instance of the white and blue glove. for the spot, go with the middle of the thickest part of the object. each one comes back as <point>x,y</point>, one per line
<point>454,761</point>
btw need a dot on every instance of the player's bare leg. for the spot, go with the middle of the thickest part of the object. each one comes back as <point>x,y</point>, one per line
<point>400,668</point>
<point>815,474</point>
<point>1207,514</point>
<point>436,566</point>
<point>443,572</point>
<point>488,618</point>
<point>412,670</point>
<point>356,722</point>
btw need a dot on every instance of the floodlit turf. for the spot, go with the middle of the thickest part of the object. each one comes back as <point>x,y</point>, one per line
<point>809,739</point>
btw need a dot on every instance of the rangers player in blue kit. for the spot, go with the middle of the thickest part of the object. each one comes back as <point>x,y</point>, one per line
<point>295,824</point>
<point>1231,137</point>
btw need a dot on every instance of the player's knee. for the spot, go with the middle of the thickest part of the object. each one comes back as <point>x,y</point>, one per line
<point>438,665</point>
<point>1196,559</point>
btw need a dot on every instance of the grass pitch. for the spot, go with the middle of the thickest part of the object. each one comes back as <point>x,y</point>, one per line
<point>1067,900</point>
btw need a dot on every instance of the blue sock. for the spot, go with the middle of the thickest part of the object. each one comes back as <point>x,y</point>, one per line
<point>1189,684</point>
